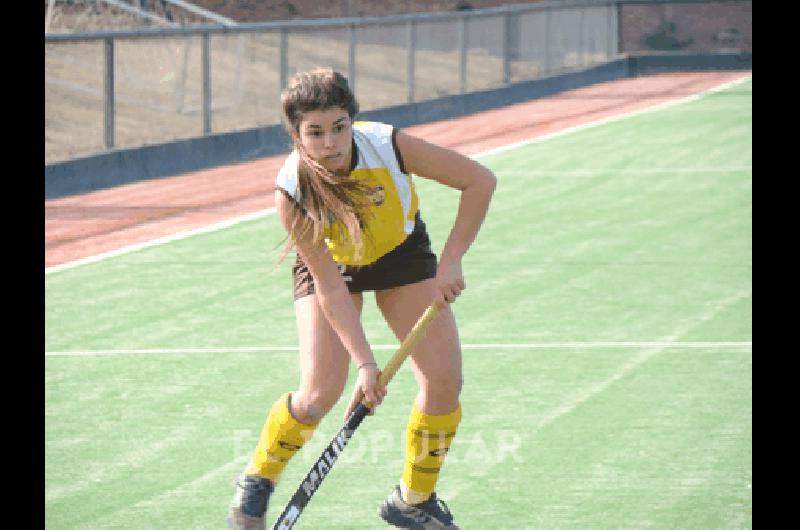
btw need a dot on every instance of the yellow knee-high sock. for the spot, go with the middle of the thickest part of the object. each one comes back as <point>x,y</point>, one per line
<point>281,438</point>
<point>428,439</point>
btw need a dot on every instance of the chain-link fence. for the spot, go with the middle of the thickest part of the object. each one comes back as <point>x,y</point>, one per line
<point>128,88</point>
<point>687,26</point>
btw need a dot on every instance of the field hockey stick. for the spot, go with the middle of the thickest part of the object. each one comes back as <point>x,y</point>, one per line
<point>325,462</point>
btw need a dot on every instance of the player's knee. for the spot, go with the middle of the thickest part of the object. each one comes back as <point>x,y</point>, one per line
<point>320,389</point>
<point>446,385</point>
<point>314,403</point>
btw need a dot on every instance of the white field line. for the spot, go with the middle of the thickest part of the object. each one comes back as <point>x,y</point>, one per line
<point>585,394</point>
<point>161,240</point>
<point>269,211</point>
<point>498,346</point>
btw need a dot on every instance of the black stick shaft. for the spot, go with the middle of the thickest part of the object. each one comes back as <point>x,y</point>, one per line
<point>320,470</point>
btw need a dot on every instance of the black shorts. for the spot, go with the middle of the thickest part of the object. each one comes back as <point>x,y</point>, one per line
<point>410,262</point>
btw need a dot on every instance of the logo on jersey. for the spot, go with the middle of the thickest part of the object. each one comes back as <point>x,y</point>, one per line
<point>377,195</point>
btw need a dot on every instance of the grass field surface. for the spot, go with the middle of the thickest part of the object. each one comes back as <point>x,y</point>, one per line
<point>607,334</point>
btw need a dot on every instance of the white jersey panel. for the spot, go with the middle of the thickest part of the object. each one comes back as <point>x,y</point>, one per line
<point>375,149</point>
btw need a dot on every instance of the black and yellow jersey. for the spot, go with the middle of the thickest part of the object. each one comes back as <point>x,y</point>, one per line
<point>394,202</point>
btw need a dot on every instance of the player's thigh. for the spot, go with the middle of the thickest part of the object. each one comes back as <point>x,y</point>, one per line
<point>438,354</point>
<point>324,361</point>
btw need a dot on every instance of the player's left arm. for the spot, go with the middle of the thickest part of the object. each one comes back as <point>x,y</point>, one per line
<point>476,183</point>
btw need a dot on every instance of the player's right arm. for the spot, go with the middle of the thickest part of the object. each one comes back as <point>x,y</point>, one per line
<point>335,301</point>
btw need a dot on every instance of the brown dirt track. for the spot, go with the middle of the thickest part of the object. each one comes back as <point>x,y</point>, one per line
<point>89,224</point>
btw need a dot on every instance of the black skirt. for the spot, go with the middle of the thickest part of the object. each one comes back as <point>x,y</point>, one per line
<point>410,262</point>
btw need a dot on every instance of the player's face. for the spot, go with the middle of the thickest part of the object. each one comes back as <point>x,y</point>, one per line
<point>327,136</point>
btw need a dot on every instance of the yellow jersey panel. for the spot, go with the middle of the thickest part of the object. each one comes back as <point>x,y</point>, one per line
<point>385,226</point>
<point>393,205</point>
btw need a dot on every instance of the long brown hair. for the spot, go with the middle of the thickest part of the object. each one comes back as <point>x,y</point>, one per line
<point>325,199</point>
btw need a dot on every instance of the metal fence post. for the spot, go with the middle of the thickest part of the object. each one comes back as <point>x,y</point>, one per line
<point>613,29</point>
<point>206,84</point>
<point>108,95</point>
<point>351,58</point>
<point>462,55</point>
<point>547,23</point>
<point>620,27</point>
<point>284,58</point>
<point>506,43</point>
<point>611,33</point>
<point>581,39</point>
<point>411,38</point>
